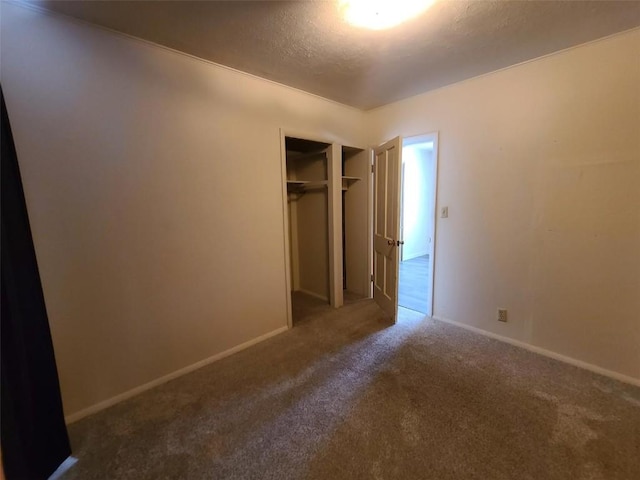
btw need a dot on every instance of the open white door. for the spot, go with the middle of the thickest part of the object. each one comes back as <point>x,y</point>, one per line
<point>386,225</point>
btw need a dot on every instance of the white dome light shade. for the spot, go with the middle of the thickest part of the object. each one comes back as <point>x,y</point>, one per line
<point>381,14</point>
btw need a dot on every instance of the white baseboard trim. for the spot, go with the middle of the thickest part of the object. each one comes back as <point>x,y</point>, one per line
<point>313,294</point>
<point>547,353</point>
<point>74,417</point>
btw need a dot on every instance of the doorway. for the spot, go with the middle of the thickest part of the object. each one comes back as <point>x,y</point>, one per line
<point>417,223</point>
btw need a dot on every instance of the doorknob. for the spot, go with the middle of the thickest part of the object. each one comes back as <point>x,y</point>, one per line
<point>400,242</point>
<point>391,243</point>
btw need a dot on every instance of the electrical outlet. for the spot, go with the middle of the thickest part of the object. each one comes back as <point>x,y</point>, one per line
<point>444,212</point>
<point>502,315</point>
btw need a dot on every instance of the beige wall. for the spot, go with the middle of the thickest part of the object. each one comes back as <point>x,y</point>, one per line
<point>153,183</point>
<point>540,167</point>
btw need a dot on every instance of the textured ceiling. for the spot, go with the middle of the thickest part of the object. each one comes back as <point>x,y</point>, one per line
<point>307,45</point>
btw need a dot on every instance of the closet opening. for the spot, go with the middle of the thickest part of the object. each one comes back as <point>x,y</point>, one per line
<point>308,220</point>
<point>417,223</point>
<point>356,276</point>
<point>328,218</point>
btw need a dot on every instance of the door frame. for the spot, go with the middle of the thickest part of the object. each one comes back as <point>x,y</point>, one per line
<point>402,199</point>
<point>422,138</point>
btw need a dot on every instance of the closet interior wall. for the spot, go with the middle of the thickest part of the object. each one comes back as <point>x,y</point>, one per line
<point>307,199</point>
<point>356,169</point>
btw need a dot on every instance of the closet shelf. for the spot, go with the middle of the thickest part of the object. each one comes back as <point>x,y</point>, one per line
<point>312,155</point>
<point>348,181</point>
<point>303,185</point>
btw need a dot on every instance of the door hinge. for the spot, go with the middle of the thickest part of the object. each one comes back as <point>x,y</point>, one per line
<point>373,169</point>
<point>372,277</point>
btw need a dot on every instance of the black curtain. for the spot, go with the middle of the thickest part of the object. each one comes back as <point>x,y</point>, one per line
<point>34,435</point>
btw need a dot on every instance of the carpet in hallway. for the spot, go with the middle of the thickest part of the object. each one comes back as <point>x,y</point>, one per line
<point>413,284</point>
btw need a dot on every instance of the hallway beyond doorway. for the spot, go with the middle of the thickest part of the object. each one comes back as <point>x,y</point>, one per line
<point>413,286</point>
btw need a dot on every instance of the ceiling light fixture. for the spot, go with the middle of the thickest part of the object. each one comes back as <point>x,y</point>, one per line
<point>381,14</point>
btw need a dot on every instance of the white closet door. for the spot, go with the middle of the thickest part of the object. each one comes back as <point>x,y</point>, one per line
<point>386,228</point>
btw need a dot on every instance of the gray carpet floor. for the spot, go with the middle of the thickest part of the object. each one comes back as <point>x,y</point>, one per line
<point>345,395</point>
